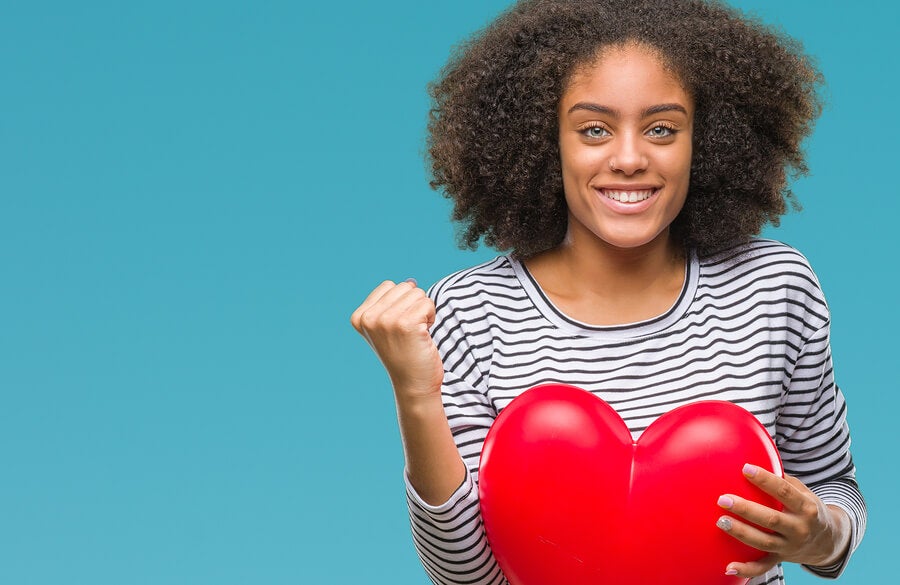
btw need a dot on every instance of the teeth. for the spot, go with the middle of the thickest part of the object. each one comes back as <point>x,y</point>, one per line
<point>628,196</point>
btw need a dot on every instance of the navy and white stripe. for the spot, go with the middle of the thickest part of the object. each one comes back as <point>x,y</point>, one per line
<point>751,326</point>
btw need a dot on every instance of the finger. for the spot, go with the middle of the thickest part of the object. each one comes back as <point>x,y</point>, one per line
<point>409,312</point>
<point>778,487</point>
<point>383,296</point>
<point>389,329</point>
<point>396,295</point>
<point>808,505</point>
<point>370,300</point>
<point>397,301</point>
<point>753,568</point>
<point>762,516</point>
<point>428,310</point>
<point>751,535</point>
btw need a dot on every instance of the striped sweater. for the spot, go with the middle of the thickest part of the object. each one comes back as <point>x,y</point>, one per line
<point>751,326</point>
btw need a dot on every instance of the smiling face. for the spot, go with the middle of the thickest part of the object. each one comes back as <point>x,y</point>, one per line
<point>625,126</point>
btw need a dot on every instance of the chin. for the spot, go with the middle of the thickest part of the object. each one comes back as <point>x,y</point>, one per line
<point>632,241</point>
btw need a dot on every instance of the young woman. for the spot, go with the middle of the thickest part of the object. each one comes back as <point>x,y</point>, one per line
<point>626,153</point>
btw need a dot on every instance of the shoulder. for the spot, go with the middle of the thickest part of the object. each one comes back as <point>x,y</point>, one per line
<point>767,269</point>
<point>760,258</point>
<point>495,276</point>
<point>467,301</point>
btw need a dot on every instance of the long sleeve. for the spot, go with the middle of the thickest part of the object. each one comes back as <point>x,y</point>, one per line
<point>450,538</point>
<point>814,439</point>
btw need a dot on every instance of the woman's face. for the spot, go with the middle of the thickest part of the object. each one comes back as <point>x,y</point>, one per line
<point>625,126</point>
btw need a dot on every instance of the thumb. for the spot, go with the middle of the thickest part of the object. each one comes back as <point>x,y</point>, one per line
<point>753,568</point>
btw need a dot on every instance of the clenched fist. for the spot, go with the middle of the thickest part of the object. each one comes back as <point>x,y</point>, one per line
<point>395,319</point>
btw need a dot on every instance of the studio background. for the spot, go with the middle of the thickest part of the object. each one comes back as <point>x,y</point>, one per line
<point>194,196</point>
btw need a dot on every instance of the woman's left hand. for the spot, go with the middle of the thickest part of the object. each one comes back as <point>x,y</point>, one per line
<point>806,531</point>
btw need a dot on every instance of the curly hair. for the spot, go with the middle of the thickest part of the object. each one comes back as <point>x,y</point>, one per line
<point>493,128</point>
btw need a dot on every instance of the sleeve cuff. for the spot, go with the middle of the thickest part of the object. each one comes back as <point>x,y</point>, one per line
<point>846,496</point>
<point>834,571</point>
<point>465,491</point>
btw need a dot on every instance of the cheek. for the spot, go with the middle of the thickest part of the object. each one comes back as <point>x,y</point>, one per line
<point>678,166</point>
<point>568,166</point>
<point>579,163</point>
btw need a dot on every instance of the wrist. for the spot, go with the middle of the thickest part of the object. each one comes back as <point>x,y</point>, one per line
<point>414,396</point>
<point>840,533</point>
<point>420,407</point>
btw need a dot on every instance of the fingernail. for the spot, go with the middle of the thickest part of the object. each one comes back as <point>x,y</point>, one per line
<point>731,572</point>
<point>725,502</point>
<point>412,280</point>
<point>724,523</point>
<point>750,470</point>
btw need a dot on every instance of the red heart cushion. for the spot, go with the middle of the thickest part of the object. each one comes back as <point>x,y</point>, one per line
<point>568,498</point>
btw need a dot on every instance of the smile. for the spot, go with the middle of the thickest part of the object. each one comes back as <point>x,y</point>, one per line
<point>628,196</point>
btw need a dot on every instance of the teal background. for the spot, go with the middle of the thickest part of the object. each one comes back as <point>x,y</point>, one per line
<point>194,196</point>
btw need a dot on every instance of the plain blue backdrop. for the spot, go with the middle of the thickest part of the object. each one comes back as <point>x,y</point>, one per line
<point>193,198</point>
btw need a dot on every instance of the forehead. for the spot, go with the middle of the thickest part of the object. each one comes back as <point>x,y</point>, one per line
<point>627,73</point>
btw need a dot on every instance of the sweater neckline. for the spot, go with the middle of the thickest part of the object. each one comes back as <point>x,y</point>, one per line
<point>624,331</point>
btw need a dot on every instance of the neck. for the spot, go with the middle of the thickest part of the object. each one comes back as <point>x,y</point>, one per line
<point>601,284</point>
<point>596,266</point>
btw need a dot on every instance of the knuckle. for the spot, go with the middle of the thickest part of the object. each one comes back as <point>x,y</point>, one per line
<point>368,321</point>
<point>407,323</point>
<point>384,321</point>
<point>784,491</point>
<point>809,509</point>
<point>772,520</point>
<point>410,323</point>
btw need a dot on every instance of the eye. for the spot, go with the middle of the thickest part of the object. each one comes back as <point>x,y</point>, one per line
<point>595,132</point>
<point>660,131</point>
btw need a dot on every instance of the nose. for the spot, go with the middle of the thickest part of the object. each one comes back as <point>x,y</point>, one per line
<point>628,156</point>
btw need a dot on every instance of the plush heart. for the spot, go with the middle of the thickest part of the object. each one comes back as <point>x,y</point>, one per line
<point>568,498</point>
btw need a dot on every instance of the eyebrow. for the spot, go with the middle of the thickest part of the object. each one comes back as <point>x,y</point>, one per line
<point>659,108</point>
